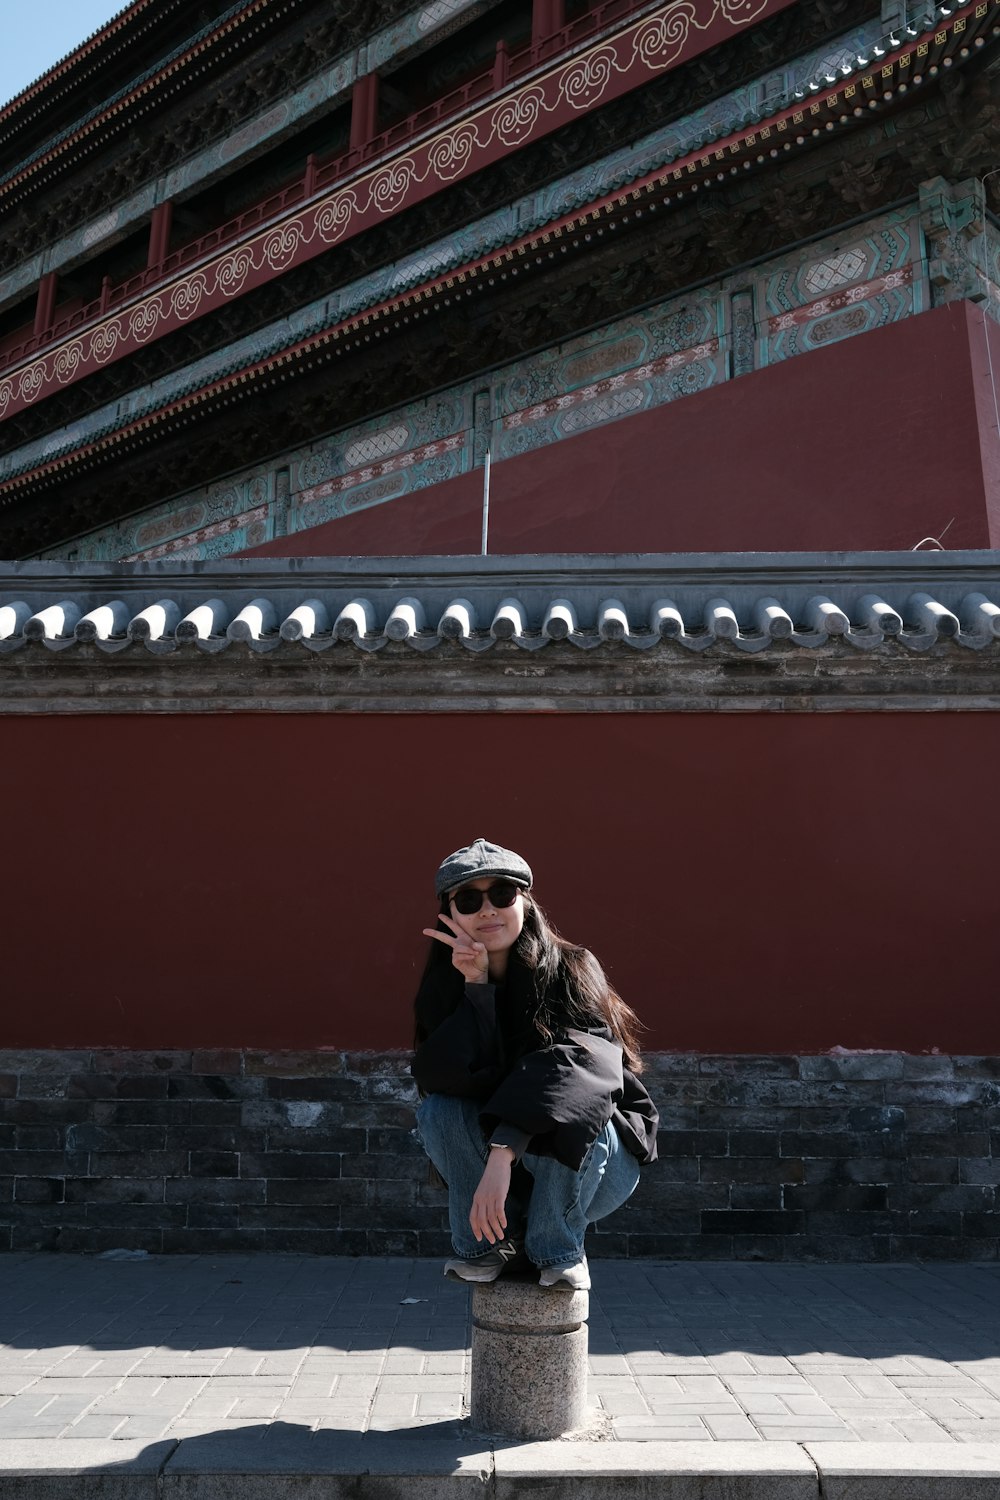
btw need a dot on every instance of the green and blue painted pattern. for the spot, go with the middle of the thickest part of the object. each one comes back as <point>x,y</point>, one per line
<point>678,347</point>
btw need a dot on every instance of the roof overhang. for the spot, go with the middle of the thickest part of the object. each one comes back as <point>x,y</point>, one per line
<point>915,631</point>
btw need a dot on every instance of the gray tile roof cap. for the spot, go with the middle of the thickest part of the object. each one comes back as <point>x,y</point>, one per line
<point>749,602</point>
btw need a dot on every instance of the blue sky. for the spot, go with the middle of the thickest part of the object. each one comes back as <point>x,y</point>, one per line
<point>34,34</point>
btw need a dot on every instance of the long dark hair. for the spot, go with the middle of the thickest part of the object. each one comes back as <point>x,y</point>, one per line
<point>567,982</point>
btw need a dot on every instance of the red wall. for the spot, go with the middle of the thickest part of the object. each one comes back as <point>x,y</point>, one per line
<point>753,883</point>
<point>872,443</point>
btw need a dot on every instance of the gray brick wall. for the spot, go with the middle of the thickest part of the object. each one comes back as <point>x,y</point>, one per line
<point>845,1156</point>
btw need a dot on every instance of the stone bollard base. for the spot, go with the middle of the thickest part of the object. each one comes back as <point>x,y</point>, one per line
<point>529,1360</point>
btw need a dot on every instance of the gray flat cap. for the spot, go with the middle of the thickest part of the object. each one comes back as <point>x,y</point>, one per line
<point>478,860</point>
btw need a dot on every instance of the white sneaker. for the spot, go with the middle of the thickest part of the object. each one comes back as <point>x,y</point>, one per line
<point>574,1278</point>
<point>485,1267</point>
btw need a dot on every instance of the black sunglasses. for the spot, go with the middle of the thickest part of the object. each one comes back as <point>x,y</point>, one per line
<point>501,893</point>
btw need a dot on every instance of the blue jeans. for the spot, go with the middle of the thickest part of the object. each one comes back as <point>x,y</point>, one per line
<point>562,1203</point>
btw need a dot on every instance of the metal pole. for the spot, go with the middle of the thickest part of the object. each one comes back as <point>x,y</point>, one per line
<point>986,301</point>
<point>486,501</point>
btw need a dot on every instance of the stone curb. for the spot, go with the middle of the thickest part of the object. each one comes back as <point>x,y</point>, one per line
<point>399,1465</point>
<point>656,1471</point>
<point>77,1469</point>
<point>907,1471</point>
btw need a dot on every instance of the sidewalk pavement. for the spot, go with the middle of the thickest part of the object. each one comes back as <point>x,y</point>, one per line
<point>246,1375</point>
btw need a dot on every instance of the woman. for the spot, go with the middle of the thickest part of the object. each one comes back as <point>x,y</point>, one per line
<point>526,1061</point>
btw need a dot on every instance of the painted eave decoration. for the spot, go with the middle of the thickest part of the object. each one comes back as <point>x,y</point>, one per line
<point>900,63</point>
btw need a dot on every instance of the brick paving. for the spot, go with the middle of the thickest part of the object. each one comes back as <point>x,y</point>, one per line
<point>183,1346</point>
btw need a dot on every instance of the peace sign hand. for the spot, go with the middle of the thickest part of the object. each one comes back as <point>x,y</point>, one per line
<point>469,957</point>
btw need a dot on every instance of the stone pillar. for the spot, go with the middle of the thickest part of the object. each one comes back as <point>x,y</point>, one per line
<point>529,1360</point>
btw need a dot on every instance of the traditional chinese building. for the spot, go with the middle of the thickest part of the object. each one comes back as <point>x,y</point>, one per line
<point>716,272</point>
<point>716,286</point>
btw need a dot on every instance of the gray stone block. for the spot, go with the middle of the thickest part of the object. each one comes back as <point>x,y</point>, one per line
<point>332,1087</point>
<point>907,1471</point>
<point>174,1128</point>
<point>81,1469</point>
<point>43,1060</point>
<point>298,1464</point>
<point>681,1470</point>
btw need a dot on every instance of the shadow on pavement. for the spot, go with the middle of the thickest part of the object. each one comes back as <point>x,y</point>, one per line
<point>209,1307</point>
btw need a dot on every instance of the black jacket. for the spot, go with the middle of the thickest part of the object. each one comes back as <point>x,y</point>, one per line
<point>552,1098</point>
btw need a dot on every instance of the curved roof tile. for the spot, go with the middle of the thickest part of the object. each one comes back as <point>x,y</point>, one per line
<point>744,602</point>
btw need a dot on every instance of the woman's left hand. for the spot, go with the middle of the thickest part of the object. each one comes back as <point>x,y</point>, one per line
<point>468,956</point>
<point>487,1215</point>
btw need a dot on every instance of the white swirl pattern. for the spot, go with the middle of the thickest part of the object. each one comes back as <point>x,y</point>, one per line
<point>233,272</point>
<point>144,320</point>
<point>282,242</point>
<point>450,154</point>
<point>335,214</point>
<point>105,340</point>
<point>388,187</point>
<point>581,85</point>
<point>742,12</point>
<point>67,361</point>
<point>517,117</point>
<point>186,298</point>
<point>31,381</point>
<point>649,45</point>
<point>658,43</point>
